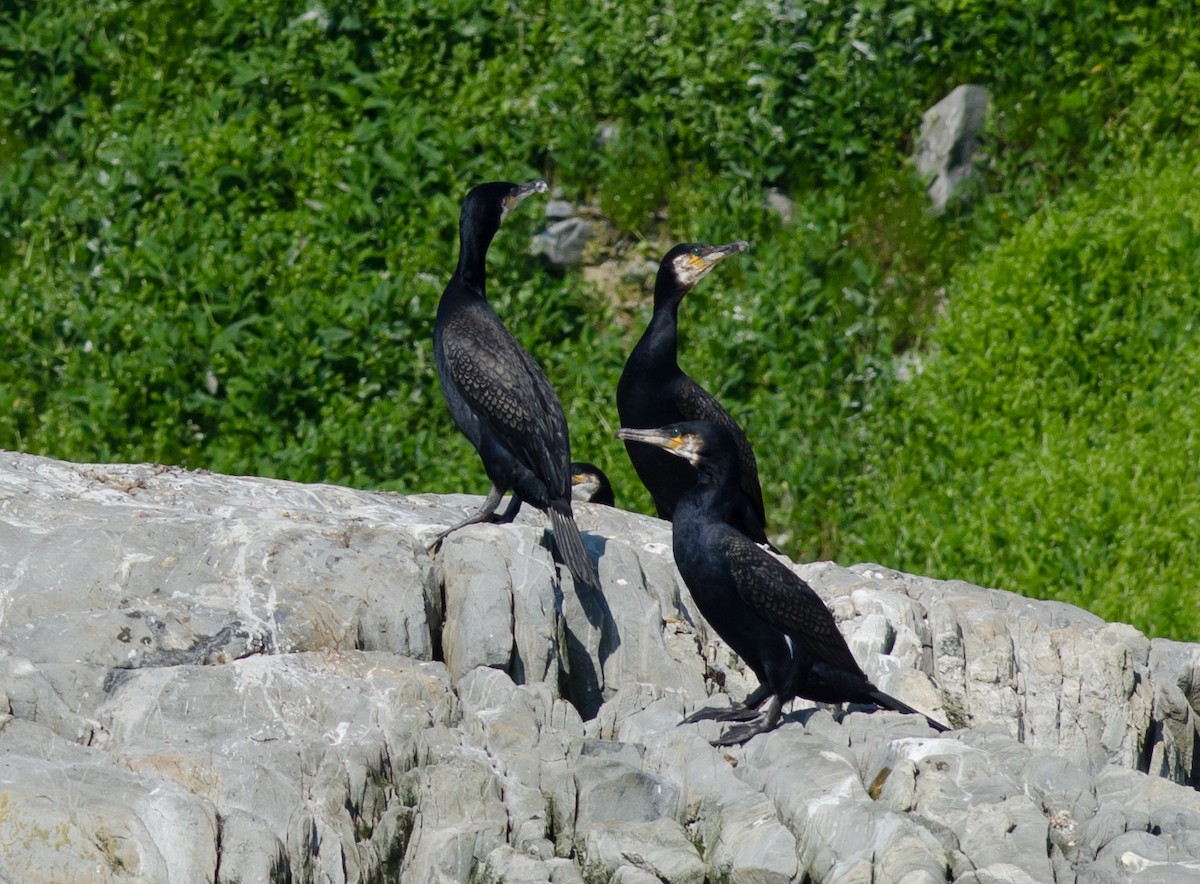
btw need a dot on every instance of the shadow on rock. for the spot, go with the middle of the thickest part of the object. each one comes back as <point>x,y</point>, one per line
<point>589,634</point>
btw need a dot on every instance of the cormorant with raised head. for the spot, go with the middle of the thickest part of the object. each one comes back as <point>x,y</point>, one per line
<point>590,485</point>
<point>771,618</point>
<point>654,391</point>
<point>497,394</point>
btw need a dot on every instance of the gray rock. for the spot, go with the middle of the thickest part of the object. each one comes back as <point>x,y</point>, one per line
<point>563,242</point>
<point>659,847</point>
<point>282,744</point>
<point>737,826</point>
<point>630,874</point>
<point>634,270</point>
<point>782,205</point>
<point>220,679</point>
<point>478,630</point>
<point>613,791</point>
<point>69,813</point>
<point>1175,674</point>
<point>557,209</point>
<point>529,737</point>
<point>841,834</point>
<point>461,818</point>
<point>951,133</point>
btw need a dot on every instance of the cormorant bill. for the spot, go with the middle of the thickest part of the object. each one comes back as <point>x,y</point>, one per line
<point>771,618</point>
<point>654,391</point>
<point>590,485</point>
<point>497,394</point>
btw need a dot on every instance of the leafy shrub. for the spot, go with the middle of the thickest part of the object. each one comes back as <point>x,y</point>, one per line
<point>224,227</point>
<point>1050,441</point>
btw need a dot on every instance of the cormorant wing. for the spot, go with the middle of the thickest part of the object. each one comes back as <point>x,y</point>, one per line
<point>788,603</point>
<point>696,404</point>
<point>509,393</point>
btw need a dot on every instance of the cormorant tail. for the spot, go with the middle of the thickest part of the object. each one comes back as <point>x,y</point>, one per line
<point>570,545</point>
<point>887,701</point>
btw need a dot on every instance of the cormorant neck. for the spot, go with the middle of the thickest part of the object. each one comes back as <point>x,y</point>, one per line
<point>667,291</point>
<point>717,485</point>
<point>660,343</point>
<point>474,239</point>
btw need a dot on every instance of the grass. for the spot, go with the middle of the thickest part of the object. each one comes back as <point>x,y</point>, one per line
<point>1050,442</point>
<point>224,228</point>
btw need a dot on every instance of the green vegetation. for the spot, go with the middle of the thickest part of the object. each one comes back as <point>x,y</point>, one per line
<point>1053,440</point>
<point>224,228</point>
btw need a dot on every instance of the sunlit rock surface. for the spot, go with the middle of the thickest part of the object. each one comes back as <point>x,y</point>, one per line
<point>952,132</point>
<point>207,678</point>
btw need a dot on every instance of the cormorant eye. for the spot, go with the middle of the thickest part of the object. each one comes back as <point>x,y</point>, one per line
<point>675,434</point>
<point>696,251</point>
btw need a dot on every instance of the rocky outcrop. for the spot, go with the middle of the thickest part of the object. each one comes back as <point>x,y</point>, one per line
<point>206,678</point>
<point>951,134</point>
<point>566,236</point>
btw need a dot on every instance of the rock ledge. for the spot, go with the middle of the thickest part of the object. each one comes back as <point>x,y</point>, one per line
<point>207,678</point>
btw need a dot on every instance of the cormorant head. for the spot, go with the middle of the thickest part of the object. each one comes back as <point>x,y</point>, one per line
<point>694,441</point>
<point>494,200</point>
<point>688,263</point>
<point>590,485</point>
<point>483,208</point>
<point>489,204</point>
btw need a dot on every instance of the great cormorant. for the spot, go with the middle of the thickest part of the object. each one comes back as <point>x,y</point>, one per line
<point>590,485</point>
<point>770,617</point>
<point>497,394</point>
<point>654,391</point>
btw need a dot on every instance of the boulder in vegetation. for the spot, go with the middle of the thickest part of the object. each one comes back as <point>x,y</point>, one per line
<point>951,133</point>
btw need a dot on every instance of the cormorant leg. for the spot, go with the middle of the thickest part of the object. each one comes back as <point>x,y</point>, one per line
<point>756,697</point>
<point>747,711</point>
<point>510,511</point>
<point>485,513</point>
<point>735,736</point>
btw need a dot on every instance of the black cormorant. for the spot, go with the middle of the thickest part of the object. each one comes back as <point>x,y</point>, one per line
<point>654,391</point>
<point>497,394</point>
<point>590,485</point>
<point>770,617</point>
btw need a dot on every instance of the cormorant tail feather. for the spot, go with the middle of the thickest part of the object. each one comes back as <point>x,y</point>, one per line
<point>570,546</point>
<point>887,701</point>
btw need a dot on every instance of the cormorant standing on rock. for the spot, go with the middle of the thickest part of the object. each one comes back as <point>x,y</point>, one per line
<point>654,391</point>
<point>771,618</point>
<point>497,394</point>
<point>590,485</point>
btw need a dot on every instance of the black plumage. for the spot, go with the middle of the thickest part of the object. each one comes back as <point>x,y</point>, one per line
<point>769,616</point>
<point>497,394</point>
<point>589,484</point>
<point>654,391</point>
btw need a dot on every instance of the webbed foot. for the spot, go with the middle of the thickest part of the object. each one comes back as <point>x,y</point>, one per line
<point>717,713</point>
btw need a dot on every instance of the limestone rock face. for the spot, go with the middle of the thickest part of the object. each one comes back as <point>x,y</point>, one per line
<point>207,678</point>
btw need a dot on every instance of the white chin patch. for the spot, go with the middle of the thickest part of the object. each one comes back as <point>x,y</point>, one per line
<point>691,452</point>
<point>584,490</point>
<point>689,272</point>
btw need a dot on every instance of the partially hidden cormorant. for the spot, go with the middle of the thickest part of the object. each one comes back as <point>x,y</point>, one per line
<point>497,394</point>
<point>769,616</point>
<point>590,485</point>
<point>654,391</point>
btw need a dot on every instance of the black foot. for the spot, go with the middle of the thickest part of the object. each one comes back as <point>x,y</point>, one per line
<point>486,513</point>
<point>717,713</point>
<point>735,736</point>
